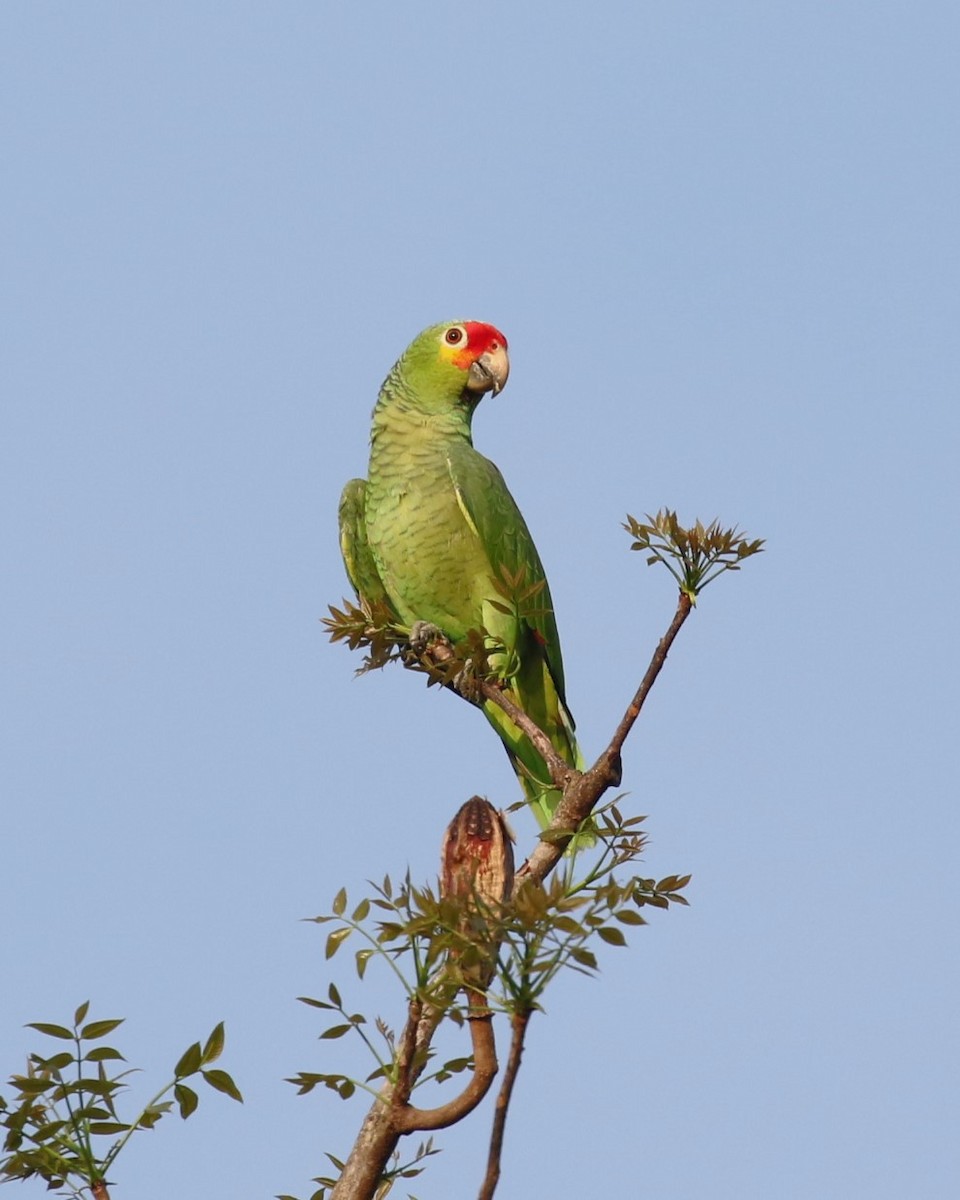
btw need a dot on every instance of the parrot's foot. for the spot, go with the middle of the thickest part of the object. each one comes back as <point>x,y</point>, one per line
<point>466,683</point>
<point>428,642</point>
<point>426,645</point>
<point>423,635</point>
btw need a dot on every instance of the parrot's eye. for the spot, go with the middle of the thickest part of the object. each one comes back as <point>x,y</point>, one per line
<point>454,336</point>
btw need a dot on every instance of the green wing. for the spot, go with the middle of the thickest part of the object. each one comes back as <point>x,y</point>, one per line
<point>534,668</point>
<point>486,503</point>
<point>357,558</point>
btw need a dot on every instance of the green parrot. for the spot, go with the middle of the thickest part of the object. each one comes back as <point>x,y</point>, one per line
<point>433,524</point>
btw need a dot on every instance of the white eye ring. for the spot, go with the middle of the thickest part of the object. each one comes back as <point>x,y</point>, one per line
<point>454,335</point>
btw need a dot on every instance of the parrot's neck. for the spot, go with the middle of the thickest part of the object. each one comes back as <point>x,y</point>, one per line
<point>400,414</point>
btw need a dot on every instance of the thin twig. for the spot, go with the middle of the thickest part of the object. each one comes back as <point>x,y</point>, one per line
<point>582,792</point>
<point>559,770</point>
<point>684,606</point>
<point>441,651</point>
<point>492,1176</point>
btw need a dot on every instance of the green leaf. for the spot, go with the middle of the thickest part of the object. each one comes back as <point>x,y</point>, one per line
<point>102,1053</point>
<point>361,911</point>
<point>336,1031</point>
<point>28,1086</point>
<point>214,1044</point>
<point>91,1112</point>
<point>56,1031</point>
<point>334,996</point>
<point>454,1066</point>
<point>628,917</point>
<point>612,936</point>
<point>44,1132</point>
<point>363,957</point>
<point>58,1061</point>
<point>189,1063</point>
<point>81,1014</point>
<point>315,1003</point>
<point>152,1114</point>
<point>340,902</point>
<point>99,1029</point>
<point>187,1098</point>
<point>222,1082</point>
<point>334,940</point>
<point>108,1127</point>
<point>98,1087</point>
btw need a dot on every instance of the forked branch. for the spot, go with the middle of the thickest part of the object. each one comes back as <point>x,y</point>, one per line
<point>695,557</point>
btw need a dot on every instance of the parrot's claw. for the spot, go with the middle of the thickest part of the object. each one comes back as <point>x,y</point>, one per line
<point>428,642</point>
<point>422,636</point>
<point>465,682</point>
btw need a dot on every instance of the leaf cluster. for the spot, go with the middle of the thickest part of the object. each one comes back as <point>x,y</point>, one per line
<point>552,924</point>
<point>373,629</point>
<point>694,556</point>
<point>65,1104</point>
<point>518,598</point>
<point>413,930</point>
<point>369,627</point>
<point>437,945</point>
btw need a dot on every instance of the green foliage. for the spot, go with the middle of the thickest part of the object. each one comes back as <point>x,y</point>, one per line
<point>370,627</point>
<point>693,556</point>
<point>435,945</point>
<point>373,629</point>
<point>553,924</point>
<point>517,596</point>
<point>62,1122</point>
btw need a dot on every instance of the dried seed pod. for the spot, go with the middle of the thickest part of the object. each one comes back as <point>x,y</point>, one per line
<point>477,855</point>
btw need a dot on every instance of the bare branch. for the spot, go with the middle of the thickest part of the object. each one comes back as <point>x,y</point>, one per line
<point>441,651</point>
<point>582,792</point>
<point>379,1134</point>
<point>492,1176</point>
<point>684,606</point>
<point>560,771</point>
<point>409,1119</point>
<point>370,1154</point>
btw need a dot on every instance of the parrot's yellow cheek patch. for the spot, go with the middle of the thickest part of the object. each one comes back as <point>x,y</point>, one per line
<point>460,357</point>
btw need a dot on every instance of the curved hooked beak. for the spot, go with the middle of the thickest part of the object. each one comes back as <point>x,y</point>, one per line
<point>489,372</point>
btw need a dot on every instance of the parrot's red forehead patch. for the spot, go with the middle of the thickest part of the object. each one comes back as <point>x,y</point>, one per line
<point>467,341</point>
<point>482,337</point>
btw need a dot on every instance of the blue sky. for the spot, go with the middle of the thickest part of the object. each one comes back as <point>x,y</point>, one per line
<point>722,241</point>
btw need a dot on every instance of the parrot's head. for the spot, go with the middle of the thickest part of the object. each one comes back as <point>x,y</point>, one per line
<point>456,363</point>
